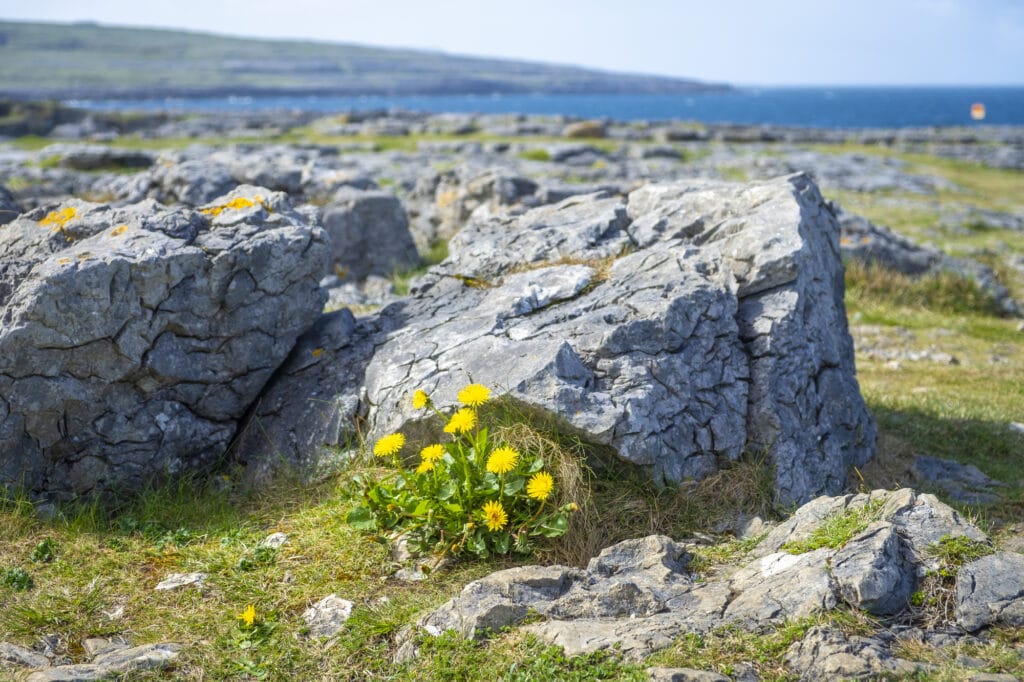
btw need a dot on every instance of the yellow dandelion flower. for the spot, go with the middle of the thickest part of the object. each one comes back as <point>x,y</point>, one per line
<point>425,466</point>
<point>420,400</point>
<point>461,422</point>
<point>540,486</point>
<point>389,445</point>
<point>474,395</point>
<point>248,616</point>
<point>502,460</point>
<point>495,516</point>
<point>432,453</point>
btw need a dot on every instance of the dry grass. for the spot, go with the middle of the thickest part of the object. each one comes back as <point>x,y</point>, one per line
<point>618,501</point>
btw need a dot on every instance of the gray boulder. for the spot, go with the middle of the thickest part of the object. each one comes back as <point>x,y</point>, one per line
<point>990,590</point>
<point>369,234</point>
<point>133,339</point>
<point>692,323</point>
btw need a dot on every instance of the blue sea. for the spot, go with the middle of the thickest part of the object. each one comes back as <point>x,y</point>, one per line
<point>845,107</point>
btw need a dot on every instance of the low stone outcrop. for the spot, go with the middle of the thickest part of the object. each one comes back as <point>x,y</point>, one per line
<point>639,596</point>
<point>680,327</point>
<point>133,339</point>
<point>875,245</point>
<point>112,664</point>
<point>369,234</point>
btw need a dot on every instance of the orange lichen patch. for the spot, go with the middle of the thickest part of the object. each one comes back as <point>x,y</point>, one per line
<point>63,261</point>
<point>85,255</point>
<point>120,229</point>
<point>845,241</point>
<point>317,352</point>
<point>58,219</point>
<point>341,272</point>
<point>236,204</point>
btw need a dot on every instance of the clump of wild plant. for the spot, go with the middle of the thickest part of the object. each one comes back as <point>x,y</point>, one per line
<point>468,495</point>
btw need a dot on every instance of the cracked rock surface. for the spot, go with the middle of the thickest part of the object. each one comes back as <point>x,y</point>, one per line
<point>680,326</point>
<point>639,595</point>
<point>133,339</point>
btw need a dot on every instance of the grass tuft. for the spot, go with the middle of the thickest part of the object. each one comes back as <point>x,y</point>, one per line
<point>943,292</point>
<point>838,529</point>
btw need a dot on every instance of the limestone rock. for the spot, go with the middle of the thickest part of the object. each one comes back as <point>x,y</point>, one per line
<point>681,328</point>
<point>274,540</point>
<point>963,483</point>
<point>192,181</point>
<point>175,581</point>
<point>920,519</point>
<point>636,596</point>
<point>369,234</point>
<point>990,590</point>
<point>874,571</point>
<point>586,129</point>
<point>134,338</point>
<point>14,656</point>
<point>827,654</point>
<point>781,586</point>
<point>9,209</point>
<point>112,664</point>
<point>684,675</point>
<point>327,617</point>
<point>92,157</point>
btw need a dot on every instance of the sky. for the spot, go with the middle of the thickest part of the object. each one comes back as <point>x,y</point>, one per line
<point>743,42</point>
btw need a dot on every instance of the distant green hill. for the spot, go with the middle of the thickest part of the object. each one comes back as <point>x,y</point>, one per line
<point>87,60</point>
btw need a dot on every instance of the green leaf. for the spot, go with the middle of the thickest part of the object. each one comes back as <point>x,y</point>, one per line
<point>361,518</point>
<point>555,526</point>
<point>514,485</point>
<point>453,508</point>
<point>477,545</point>
<point>446,491</point>
<point>422,508</point>
<point>501,543</point>
<point>536,465</point>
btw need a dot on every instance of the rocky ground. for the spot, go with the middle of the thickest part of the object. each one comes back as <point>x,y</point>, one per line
<point>170,278</point>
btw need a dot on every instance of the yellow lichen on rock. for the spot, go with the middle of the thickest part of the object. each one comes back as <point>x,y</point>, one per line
<point>236,204</point>
<point>58,219</point>
<point>120,229</point>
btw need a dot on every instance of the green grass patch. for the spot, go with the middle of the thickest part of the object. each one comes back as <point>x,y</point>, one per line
<point>838,529</point>
<point>535,155</point>
<point>943,292</point>
<point>435,253</point>
<point>728,649</point>
<point>451,658</point>
<point>933,604</point>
